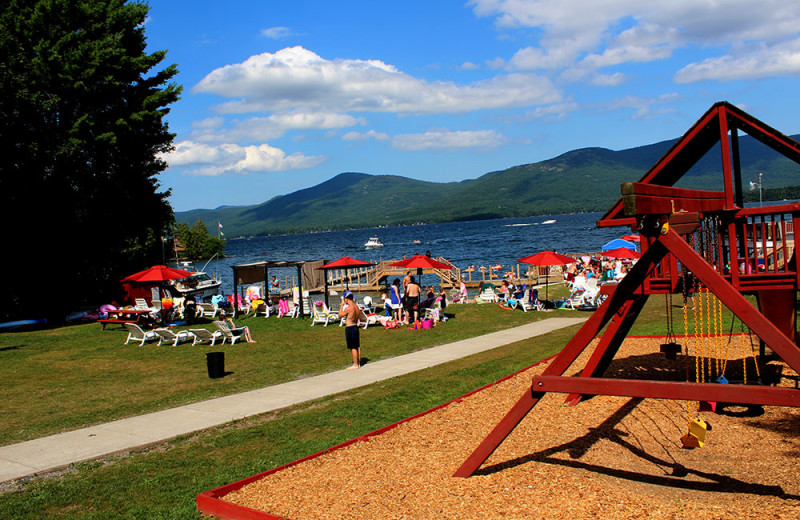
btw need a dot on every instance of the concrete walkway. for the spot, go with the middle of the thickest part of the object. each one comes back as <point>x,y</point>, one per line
<point>59,451</point>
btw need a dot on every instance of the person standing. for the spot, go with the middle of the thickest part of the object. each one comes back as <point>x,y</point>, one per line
<point>413,291</point>
<point>349,312</point>
<point>396,299</point>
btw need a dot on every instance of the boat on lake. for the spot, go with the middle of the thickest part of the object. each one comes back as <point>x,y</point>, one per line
<point>198,285</point>
<point>549,222</point>
<point>373,242</point>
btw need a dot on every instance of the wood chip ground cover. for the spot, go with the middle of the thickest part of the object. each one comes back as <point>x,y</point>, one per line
<point>608,457</point>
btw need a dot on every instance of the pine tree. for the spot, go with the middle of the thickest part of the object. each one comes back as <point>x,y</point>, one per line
<point>81,129</point>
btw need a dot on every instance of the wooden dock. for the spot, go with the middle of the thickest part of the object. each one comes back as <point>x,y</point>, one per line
<point>378,277</point>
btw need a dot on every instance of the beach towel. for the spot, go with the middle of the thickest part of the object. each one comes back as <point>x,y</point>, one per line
<point>283,307</point>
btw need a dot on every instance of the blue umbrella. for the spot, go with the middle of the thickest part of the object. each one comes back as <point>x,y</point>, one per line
<point>617,243</point>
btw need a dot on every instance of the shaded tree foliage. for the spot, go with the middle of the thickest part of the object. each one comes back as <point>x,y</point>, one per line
<point>81,129</point>
<point>197,243</point>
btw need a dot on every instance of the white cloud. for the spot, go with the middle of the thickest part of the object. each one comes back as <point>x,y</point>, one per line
<point>189,153</point>
<point>363,136</point>
<point>260,129</point>
<point>296,78</point>
<point>644,108</point>
<point>444,139</point>
<point>232,159</point>
<point>608,80</point>
<point>590,34</point>
<point>751,62</point>
<point>468,65</point>
<point>276,33</point>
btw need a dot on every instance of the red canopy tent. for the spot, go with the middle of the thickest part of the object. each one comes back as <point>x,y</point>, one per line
<point>546,258</point>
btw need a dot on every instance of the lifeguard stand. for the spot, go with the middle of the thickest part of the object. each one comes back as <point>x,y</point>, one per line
<point>731,250</point>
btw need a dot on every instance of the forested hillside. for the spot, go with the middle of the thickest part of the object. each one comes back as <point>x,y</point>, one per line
<point>587,179</point>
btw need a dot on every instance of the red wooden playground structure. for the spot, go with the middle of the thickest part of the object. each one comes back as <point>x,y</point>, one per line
<point>694,243</point>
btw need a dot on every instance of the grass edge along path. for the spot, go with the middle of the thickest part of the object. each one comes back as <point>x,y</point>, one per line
<point>163,481</point>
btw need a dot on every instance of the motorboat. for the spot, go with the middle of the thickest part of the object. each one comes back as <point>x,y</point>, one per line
<point>198,285</point>
<point>373,242</point>
<point>552,221</point>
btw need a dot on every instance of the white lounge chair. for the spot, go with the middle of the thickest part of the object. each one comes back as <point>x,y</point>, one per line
<point>207,310</point>
<point>173,337</point>
<point>321,314</point>
<point>264,309</point>
<point>227,333</point>
<point>528,303</point>
<point>135,333</point>
<point>308,308</point>
<point>203,335</point>
<point>141,304</point>
<point>488,295</point>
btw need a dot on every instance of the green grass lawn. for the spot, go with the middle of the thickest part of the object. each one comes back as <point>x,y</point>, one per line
<point>69,377</point>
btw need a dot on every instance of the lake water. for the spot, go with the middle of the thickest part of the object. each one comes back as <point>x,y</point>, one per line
<point>478,243</point>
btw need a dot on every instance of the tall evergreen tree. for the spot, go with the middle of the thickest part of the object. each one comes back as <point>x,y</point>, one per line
<point>81,129</point>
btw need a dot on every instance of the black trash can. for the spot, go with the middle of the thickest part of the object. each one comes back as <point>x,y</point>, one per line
<point>216,364</point>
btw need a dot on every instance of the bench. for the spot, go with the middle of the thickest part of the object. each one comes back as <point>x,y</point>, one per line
<point>105,322</point>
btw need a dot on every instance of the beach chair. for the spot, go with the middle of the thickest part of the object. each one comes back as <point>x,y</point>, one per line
<point>321,314</point>
<point>207,310</point>
<point>488,295</point>
<point>141,304</point>
<point>529,301</point>
<point>227,333</point>
<point>203,335</point>
<point>262,308</point>
<point>367,319</point>
<point>307,308</point>
<point>135,333</point>
<point>173,337</point>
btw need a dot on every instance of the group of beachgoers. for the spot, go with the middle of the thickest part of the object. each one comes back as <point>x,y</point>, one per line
<point>406,299</point>
<point>609,271</point>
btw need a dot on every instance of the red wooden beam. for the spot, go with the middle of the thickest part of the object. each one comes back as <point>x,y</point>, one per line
<point>610,342</point>
<point>649,199</point>
<point>616,301</point>
<point>739,394</point>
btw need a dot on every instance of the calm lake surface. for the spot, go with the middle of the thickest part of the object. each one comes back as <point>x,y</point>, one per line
<point>478,243</point>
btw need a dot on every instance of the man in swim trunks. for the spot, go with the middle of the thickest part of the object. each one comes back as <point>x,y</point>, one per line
<point>349,312</point>
<point>413,291</point>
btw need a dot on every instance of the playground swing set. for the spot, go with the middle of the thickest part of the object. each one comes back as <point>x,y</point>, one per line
<point>708,248</point>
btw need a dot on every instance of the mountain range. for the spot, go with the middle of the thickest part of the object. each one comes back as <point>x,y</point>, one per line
<point>586,179</point>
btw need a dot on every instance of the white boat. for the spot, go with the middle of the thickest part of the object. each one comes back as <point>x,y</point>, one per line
<point>373,242</point>
<point>549,222</point>
<point>198,284</point>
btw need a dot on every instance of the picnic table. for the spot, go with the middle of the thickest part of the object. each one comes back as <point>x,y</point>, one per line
<point>122,316</point>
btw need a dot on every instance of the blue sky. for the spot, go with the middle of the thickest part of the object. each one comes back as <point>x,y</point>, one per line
<point>283,95</point>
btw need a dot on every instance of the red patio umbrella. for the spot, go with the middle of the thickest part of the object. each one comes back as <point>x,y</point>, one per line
<point>157,273</point>
<point>632,238</point>
<point>140,284</point>
<point>621,252</point>
<point>546,258</point>
<point>420,262</point>
<point>344,262</point>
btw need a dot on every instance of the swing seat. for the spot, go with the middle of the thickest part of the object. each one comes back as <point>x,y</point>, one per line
<point>671,350</point>
<point>696,436</point>
<point>708,406</point>
<point>721,380</point>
